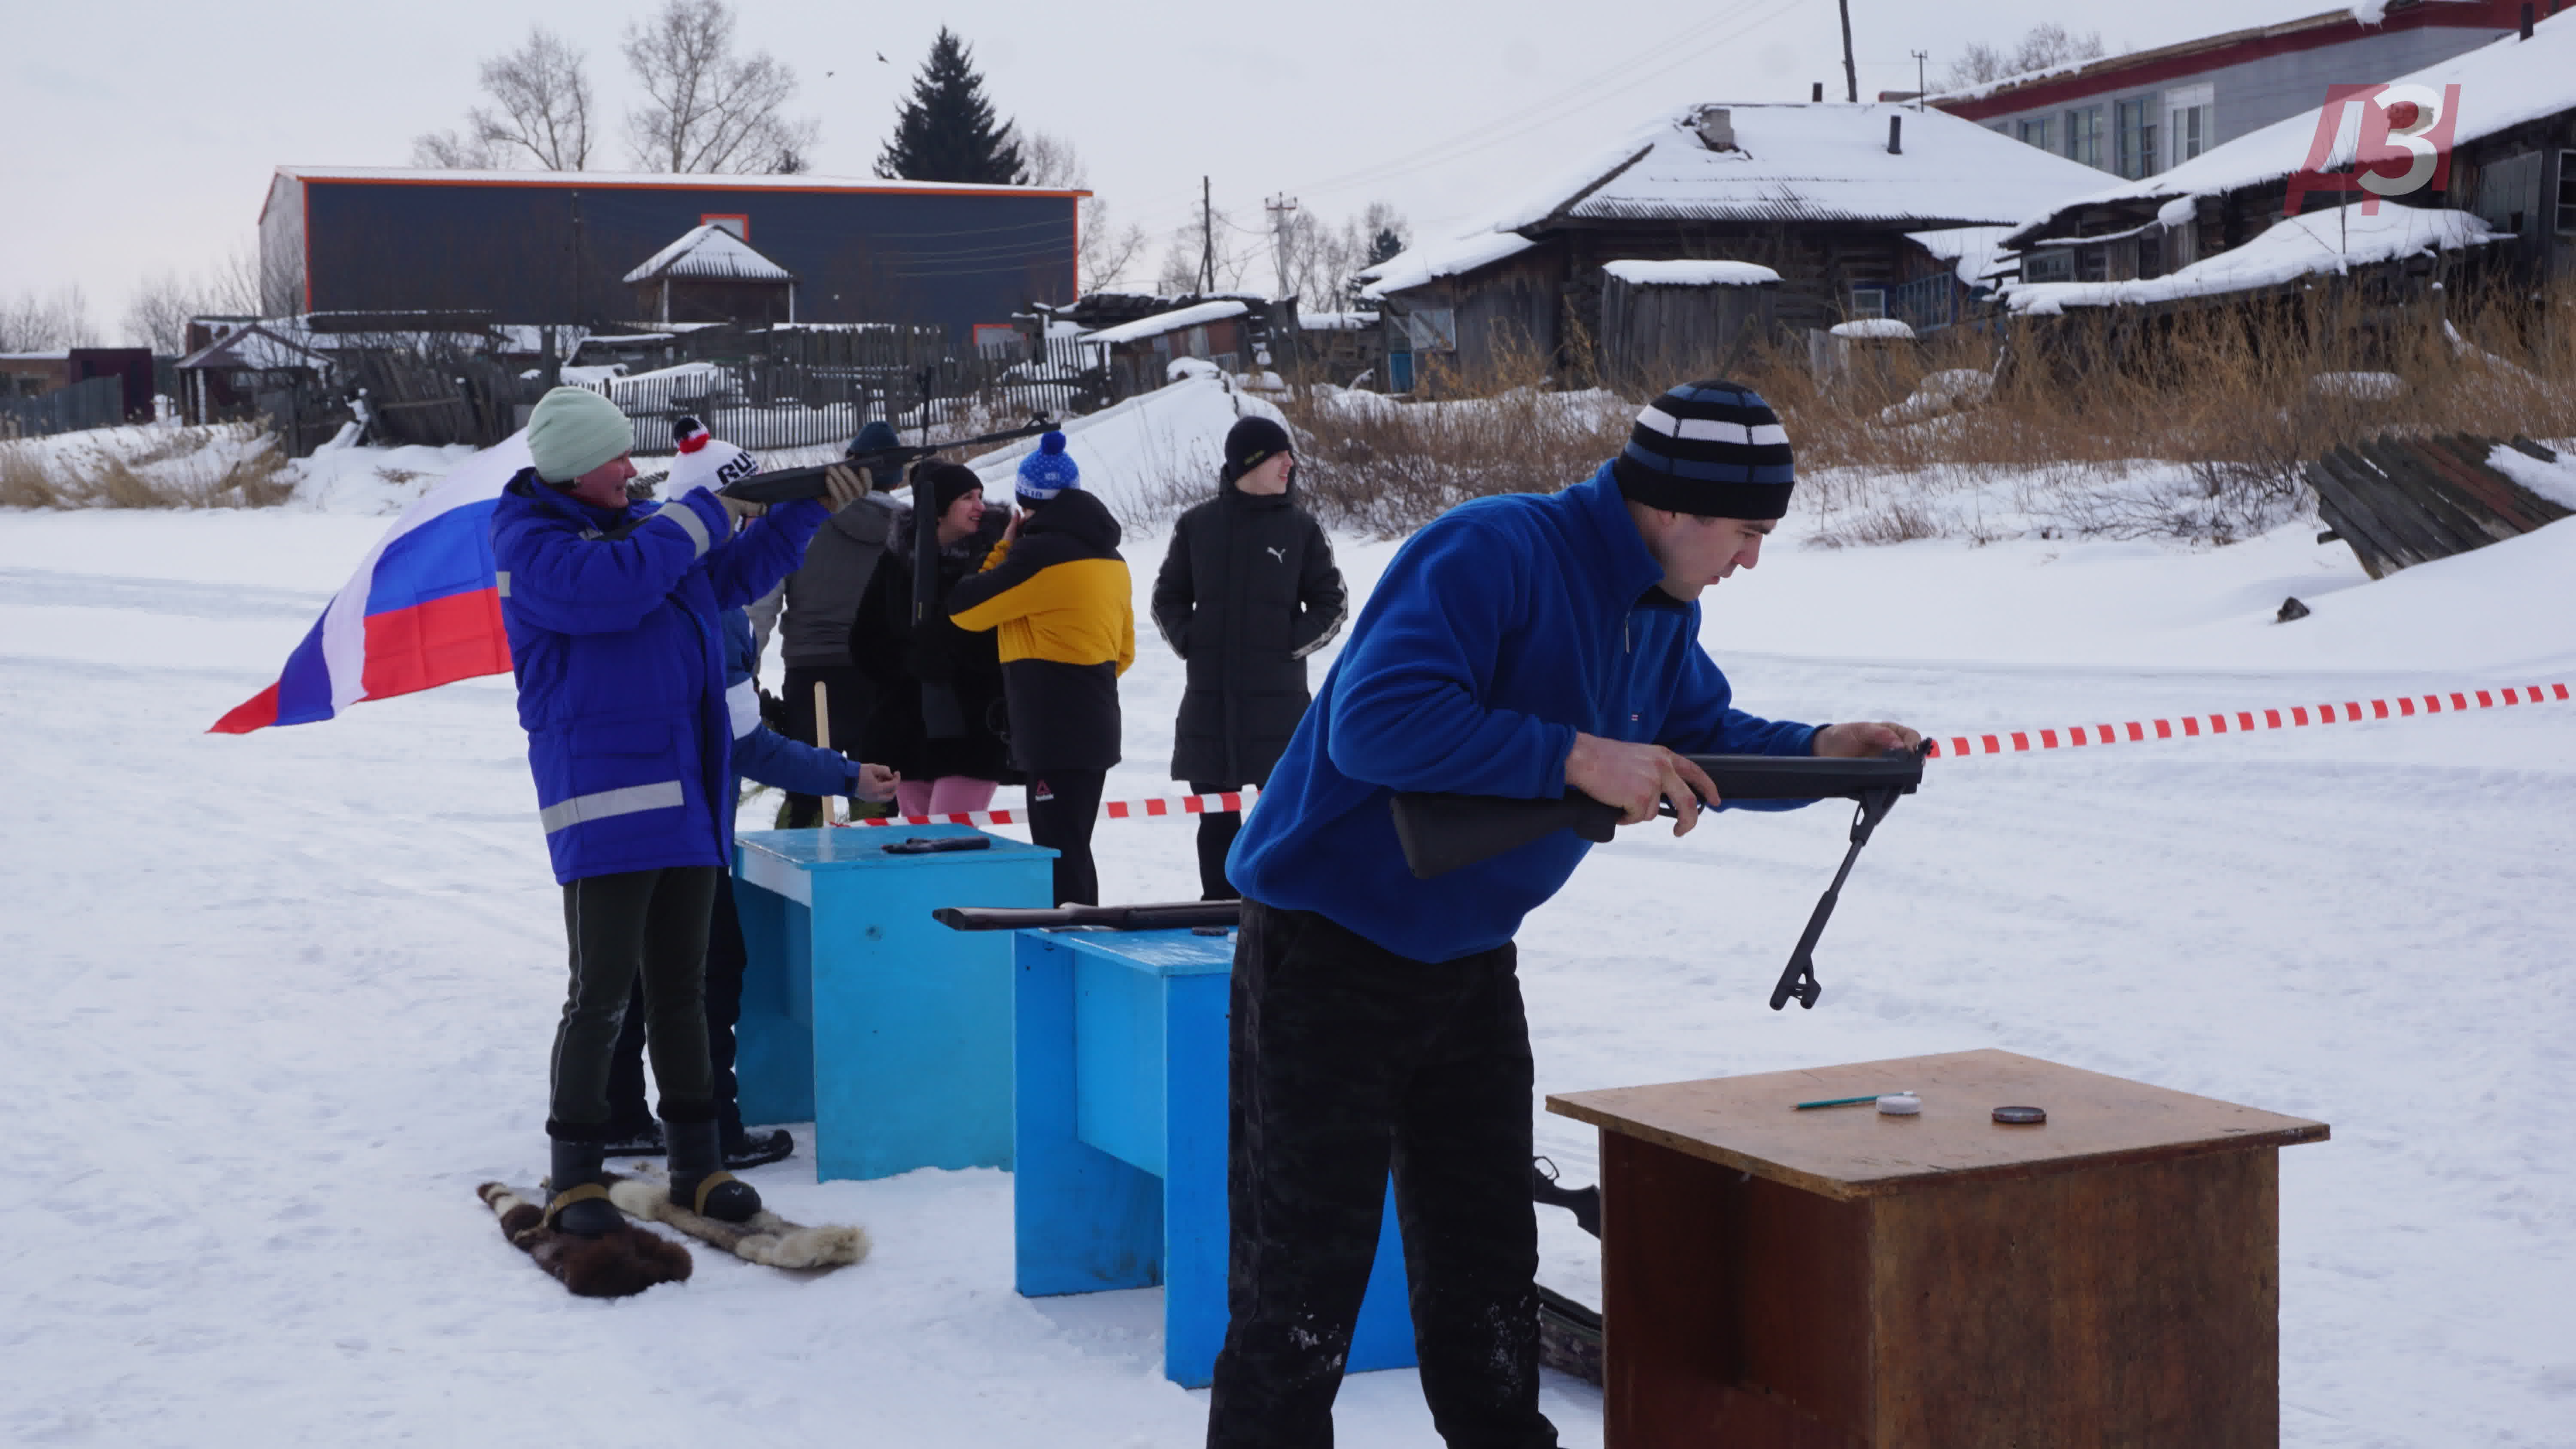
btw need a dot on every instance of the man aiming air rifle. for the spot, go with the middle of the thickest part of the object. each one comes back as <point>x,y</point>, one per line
<point>1522,647</point>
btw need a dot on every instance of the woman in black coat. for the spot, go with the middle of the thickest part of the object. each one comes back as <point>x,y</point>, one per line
<point>1247,591</point>
<point>950,758</point>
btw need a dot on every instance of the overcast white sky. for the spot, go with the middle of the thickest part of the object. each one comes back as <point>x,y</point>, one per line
<point>146,133</point>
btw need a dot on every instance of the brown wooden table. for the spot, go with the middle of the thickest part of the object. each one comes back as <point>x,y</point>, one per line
<point>1840,1278</point>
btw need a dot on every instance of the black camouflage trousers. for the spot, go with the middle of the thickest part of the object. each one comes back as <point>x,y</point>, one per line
<point>1348,1060</point>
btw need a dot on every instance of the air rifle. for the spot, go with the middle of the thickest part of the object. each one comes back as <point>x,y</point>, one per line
<point>788,484</point>
<point>1168,916</point>
<point>1441,833</point>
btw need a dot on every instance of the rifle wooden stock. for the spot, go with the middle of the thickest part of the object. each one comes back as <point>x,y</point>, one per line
<point>1442,833</point>
<point>1164,916</point>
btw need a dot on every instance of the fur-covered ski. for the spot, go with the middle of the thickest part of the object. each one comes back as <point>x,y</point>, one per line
<point>617,1265</point>
<point>767,1239</point>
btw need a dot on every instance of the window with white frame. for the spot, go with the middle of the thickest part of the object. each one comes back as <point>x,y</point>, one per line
<point>2084,135</point>
<point>1868,302</point>
<point>2056,264</point>
<point>2191,122</point>
<point>2034,132</point>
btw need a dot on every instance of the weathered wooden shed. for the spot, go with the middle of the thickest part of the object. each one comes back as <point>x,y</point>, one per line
<point>1141,353</point>
<point>1826,195</point>
<point>1661,321</point>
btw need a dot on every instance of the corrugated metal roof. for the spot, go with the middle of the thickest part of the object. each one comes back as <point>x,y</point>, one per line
<point>708,250</point>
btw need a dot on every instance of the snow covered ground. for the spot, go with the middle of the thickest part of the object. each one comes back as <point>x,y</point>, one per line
<point>278,1002</point>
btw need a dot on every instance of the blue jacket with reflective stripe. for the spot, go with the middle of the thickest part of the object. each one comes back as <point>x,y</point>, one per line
<point>616,639</point>
<point>759,752</point>
<point>1498,631</point>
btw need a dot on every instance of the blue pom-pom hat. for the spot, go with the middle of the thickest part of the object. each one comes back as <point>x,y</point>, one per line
<point>1048,471</point>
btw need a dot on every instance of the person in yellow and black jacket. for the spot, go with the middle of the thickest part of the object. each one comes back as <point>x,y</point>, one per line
<point>1058,592</point>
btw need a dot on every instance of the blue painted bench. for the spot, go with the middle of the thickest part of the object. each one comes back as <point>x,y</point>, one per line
<point>1120,1082</point>
<point>889,1032</point>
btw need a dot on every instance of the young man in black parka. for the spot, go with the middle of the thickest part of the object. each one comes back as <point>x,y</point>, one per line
<point>1247,591</point>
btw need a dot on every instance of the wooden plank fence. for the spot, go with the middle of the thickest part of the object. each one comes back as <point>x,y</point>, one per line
<point>2400,501</point>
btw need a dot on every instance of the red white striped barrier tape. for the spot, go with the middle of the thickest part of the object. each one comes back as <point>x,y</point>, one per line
<point>2246,721</point>
<point>1219,803</point>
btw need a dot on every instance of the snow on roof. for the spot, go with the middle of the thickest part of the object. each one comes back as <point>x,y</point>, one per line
<point>1970,250</point>
<point>1690,274</point>
<point>1798,161</point>
<point>2320,241</point>
<point>1881,328</point>
<point>1428,262</point>
<point>691,180</point>
<point>709,250</point>
<point>1336,321</point>
<point>2502,85</point>
<point>1162,322</point>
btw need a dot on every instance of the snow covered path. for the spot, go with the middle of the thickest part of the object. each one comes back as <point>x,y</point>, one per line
<point>278,1003</point>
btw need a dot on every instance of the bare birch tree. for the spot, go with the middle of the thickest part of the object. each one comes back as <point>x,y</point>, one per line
<point>46,322</point>
<point>706,109</point>
<point>542,103</point>
<point>540,113</point>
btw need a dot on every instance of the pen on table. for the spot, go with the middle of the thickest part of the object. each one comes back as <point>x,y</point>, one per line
<point>1838,1102</point>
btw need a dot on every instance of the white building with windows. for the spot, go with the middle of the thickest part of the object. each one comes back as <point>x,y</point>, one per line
<point>2138,114</point>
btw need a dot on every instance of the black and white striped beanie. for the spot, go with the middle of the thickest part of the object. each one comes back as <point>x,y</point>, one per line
<point>1711,448</point>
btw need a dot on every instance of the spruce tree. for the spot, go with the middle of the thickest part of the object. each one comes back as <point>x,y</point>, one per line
<point>946,132</point>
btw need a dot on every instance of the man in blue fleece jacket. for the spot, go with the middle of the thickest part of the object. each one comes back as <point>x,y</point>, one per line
<point>1518,646</point>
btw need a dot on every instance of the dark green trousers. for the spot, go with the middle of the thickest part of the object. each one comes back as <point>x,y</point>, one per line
<point>647,925</point>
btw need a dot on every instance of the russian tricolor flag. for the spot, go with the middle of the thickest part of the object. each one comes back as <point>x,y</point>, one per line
<point>422,610</point>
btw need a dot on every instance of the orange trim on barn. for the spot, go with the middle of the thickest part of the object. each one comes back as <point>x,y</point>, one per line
<point>713,182</point>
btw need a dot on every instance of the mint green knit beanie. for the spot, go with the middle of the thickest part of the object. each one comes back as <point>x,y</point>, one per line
<point>573,430</point>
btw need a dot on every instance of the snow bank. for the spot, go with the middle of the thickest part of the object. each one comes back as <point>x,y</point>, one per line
<point>2317,243</point>
<point>1148,452</point>
<point>1880,329</point>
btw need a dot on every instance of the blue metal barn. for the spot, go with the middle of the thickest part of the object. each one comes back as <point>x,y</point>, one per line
<point>554,247</point>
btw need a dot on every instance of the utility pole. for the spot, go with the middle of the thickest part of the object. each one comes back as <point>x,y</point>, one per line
<point>1921,85</point>
<point>1851,73</point>
<point>1207,238</point>
<point>1281,209</point>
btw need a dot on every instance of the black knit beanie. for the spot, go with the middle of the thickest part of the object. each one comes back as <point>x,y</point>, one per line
<point>948,483</point>
<point>1710,448</point>
<point>1250,443</point>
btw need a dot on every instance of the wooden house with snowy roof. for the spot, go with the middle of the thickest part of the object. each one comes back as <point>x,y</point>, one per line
<point>1830,198</point>
<point>710,274</point>
<point>2259,216</point>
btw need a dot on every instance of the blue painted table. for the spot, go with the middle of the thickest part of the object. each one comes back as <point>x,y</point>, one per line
<point>886,1030</point>
<point>1120,1080</point>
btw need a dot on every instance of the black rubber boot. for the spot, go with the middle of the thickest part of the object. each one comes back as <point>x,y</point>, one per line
<point>698,1179</point>
<point>754,1149</point>
<point>580,1205</point>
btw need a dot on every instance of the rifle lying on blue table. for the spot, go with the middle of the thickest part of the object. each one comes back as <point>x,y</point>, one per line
<point>1442,833</point>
